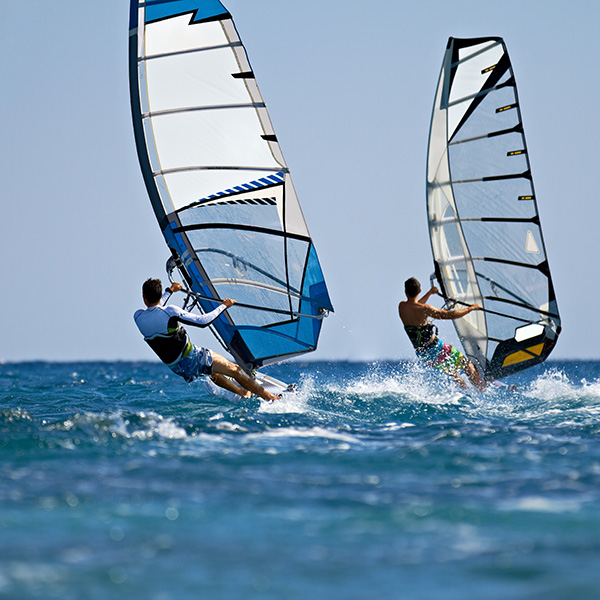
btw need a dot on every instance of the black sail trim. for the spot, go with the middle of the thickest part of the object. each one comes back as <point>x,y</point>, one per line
<point>524,175</point>
<point>535,220</point>
<point>540,267</point>
<point>502,66</point>
<point>240,227</point>
<point>521,305</point>
<point>243,75</point>
<point>516,129</point>
<point>224,197</point>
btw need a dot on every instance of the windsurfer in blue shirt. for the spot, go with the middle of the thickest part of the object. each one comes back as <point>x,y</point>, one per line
<point>161,327</point>
<point>414,313</point>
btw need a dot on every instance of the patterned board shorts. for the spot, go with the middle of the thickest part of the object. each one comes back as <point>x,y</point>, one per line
<point>197,363</point>
<point>444,357</point>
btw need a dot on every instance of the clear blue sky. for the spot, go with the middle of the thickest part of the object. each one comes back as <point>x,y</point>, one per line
<point>349,86</point>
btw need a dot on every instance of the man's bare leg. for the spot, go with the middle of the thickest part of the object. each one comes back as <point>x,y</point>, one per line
<point>458,380</point>
<point>474,377</point>
<point>228,385</point>
<point>225,367</point>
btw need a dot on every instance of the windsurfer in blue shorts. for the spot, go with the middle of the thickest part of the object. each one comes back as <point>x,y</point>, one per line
<point>414,313</point>
<point>161,327</point>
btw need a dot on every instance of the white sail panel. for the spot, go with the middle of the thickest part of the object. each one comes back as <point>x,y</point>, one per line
<point>531,245</point>
<point>173,35</point>
<point>178,82</point>
<point>188,139</point>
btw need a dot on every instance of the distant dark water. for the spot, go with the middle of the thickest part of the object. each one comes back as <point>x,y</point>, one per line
<point>118,480</point>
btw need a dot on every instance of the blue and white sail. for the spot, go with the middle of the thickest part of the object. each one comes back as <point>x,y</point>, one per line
<point>218,182</point>
<point>484,224</point>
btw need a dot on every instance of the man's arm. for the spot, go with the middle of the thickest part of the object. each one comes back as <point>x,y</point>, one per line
<point>197,320</point>
<point>175,287</point>
<point>438,313</point>
<point>426,296</point>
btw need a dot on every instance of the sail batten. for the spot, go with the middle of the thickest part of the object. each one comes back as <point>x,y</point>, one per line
<point>484,223</point>
<point>218,182</point>
<point>175,111</point>
<point>217,168</point>
<point>150,57</point>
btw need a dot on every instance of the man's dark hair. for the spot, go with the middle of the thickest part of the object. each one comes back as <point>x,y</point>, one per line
<point>152,290</point>
<point>412,287</point>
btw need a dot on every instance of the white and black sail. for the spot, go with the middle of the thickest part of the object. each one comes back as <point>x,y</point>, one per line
<point>484,224</point>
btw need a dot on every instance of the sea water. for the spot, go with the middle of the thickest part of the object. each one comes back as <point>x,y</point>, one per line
<point>373,481</point>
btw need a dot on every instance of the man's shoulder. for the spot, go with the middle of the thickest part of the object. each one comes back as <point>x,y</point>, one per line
<point>143,311</point>
<point>172,309</point>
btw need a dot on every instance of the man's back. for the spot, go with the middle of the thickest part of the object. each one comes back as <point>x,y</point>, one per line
<point>412,313</point>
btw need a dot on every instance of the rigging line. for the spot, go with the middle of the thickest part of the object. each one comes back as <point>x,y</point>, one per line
<point>319,317</point>
<point>257,284</point>
<point>252,266</point>
<point>142,59</point>
<point>500,286</point>
<point>179,111</point>
<point>195,303</point>
<point>292,291</point>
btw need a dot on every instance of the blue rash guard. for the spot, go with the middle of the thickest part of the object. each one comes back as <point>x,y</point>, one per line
<point>160,326</point>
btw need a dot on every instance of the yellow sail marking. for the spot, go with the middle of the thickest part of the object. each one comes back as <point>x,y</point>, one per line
<point>522,356</point>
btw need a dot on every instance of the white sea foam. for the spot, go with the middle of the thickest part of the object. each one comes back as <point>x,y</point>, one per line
<point>309,432</point>
<point>140,426</point>
<point>290,402</point>
<point>408,384</point>
<point>552,385</point>
<point>541,504</point>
